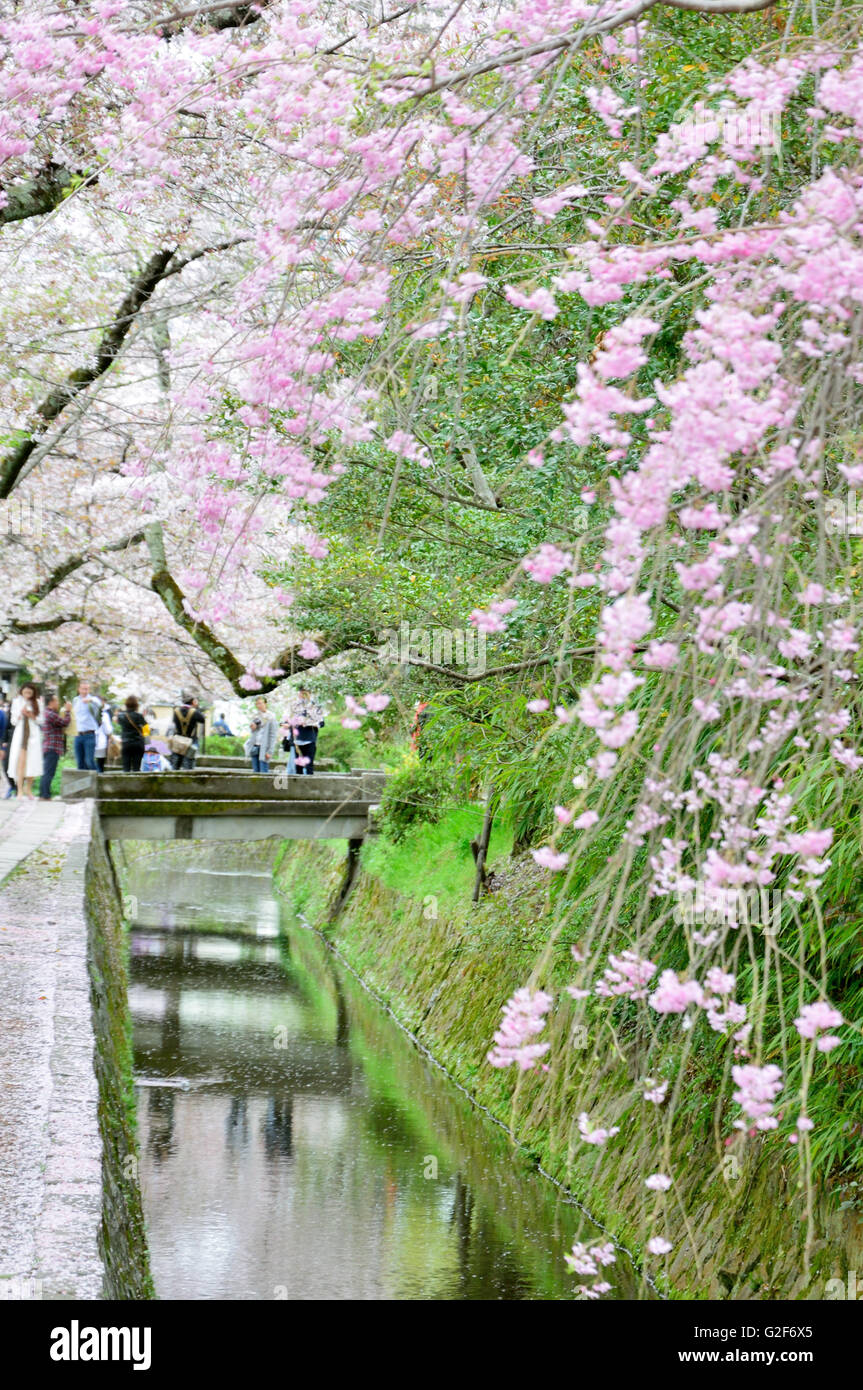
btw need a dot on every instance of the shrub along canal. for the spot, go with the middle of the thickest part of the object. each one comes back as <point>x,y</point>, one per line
<point>294,1143</point>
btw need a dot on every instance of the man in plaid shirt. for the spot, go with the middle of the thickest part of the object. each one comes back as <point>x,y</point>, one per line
<point>54,726</point>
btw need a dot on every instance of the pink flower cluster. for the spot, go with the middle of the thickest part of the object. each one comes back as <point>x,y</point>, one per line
<point>757,1089</point>
<point>523,1017</point>
<point>627,974</point>
<point>815,1020</point>
<point>587,1260</point>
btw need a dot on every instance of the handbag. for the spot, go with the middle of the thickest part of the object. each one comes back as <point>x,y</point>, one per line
<point>181,743</point>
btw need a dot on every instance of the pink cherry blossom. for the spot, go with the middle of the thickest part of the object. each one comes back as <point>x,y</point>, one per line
<point>523,1017</point>
<point>757,1088</point>
<point>549,858</point>
<point>816,1018</point>
<point>591,1135</point>
<point>658,1245</point>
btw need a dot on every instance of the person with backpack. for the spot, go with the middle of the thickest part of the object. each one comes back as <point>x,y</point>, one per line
<point>306,717</point>
<point>183,733</point>
<point>133,735</point>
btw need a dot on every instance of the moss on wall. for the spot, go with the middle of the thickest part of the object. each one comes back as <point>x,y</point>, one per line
<point>739,1228</point>
<point>123,1239</point>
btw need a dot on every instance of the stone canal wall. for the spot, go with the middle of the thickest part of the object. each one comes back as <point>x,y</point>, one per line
<point>122,1236</point>
<point>71,1224</point>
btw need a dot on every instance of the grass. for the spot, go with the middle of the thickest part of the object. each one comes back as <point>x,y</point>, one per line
<point>436,860</point>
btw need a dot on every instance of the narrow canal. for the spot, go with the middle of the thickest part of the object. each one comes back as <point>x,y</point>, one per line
<point>294,1143</point>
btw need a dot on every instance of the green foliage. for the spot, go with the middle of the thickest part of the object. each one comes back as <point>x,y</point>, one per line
<point>436,860</point>
<point>225,745</point>
<point>347,748</point>
<point>415,794</point>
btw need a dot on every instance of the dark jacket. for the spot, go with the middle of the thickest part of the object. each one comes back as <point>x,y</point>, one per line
<point>131,722</point>
<point>305,718</point>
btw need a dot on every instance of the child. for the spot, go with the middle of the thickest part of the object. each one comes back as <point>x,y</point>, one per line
<point>153,761</point>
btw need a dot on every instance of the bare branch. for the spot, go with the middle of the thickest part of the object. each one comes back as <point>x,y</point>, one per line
<point>36,196</point>
<point>543,659</point>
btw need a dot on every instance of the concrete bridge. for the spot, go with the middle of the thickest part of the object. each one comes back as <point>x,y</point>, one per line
<point>229,805</point>
<point>227,763</point>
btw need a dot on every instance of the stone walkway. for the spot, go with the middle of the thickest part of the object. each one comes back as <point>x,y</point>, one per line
<point>24,825</point>
<point>50,1148</point>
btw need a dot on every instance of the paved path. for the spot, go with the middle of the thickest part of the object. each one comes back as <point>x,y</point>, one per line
<point>24,825</point>
<point>50,1149</point>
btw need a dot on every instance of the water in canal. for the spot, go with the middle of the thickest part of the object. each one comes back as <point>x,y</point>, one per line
<point>294,1143</point>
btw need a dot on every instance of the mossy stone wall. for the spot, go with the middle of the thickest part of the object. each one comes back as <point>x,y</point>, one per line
<point>446,975</point>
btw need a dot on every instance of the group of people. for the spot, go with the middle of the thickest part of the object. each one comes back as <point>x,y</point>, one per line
<point>34,728</point>
<point>32,741</point>
<point>298,734</point>
<point>100,727</point>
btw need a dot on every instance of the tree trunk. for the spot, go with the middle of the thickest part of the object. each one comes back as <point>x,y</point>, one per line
<point>479,847</point>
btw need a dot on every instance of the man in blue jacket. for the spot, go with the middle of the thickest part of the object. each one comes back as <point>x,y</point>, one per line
<point>88,717</point>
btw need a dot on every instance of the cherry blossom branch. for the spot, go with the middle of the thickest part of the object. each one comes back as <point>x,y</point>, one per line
<point>160,265</point>
<point>53,405</point>
<point>18,628</point>
<point>289,662</point>
<point>720,6</point>
<point>222,14</point>
<point>76,562</point>
<point>574,37</point>
<point>165,585</point>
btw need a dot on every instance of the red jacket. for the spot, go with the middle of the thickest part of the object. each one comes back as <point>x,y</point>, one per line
<point>54,728</point>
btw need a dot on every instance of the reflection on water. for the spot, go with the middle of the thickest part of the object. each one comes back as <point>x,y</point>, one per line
<point>293,1143</point>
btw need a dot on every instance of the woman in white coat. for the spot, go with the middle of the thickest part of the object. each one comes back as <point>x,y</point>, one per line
<point>103,738</point>
<point>25,754</point>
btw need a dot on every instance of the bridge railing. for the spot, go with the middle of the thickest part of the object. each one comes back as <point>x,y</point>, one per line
<point>217,785</point>
<point>218,805</point>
